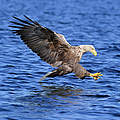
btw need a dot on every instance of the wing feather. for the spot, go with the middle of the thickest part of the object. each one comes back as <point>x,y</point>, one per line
<point>49,45</point>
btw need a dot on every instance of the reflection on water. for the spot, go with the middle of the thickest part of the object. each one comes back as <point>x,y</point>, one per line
<point>63,91</point>
<point>48,96</point>
<point>55,95</point>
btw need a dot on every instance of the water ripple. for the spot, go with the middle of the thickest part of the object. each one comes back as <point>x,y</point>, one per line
<point>23,97</point>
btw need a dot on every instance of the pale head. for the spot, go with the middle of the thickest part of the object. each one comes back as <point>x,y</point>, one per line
<point>88,48</point>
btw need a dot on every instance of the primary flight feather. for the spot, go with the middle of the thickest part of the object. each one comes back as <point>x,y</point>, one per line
<point>53,48</point>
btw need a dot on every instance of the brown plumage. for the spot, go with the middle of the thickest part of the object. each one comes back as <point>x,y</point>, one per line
<point>52,48</point>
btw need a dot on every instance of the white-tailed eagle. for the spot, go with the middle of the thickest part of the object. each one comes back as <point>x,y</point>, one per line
<point>53,48</point>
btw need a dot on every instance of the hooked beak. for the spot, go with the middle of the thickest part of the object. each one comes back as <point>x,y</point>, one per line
<point>94,52</point>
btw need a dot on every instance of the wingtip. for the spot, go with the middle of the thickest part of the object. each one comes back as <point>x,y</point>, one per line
<point>9,25</point>
<point>17,17</point>
<point>12,22</point>
<point>28,18</point>
<point>25,16</point>
<point>14,17</point>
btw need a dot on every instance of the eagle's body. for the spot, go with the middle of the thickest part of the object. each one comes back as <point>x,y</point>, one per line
<point>53,48</point>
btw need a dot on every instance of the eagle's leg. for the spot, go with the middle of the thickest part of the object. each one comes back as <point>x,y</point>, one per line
<point>81,72</point>
<point>96,75</point>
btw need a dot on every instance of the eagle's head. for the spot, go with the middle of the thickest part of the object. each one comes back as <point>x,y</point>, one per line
<point>88,48</point>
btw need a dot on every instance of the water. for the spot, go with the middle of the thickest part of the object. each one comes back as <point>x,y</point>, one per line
<point>22,97</point>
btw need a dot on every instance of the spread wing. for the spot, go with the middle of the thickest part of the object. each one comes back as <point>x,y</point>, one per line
<point>49,45</point>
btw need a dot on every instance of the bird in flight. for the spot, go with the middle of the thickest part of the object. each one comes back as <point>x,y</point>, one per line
<point>53,48</point>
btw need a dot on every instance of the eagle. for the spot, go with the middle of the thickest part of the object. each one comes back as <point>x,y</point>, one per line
<point>53,48</point>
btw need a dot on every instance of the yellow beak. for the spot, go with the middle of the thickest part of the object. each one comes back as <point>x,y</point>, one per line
<point>94,52</point>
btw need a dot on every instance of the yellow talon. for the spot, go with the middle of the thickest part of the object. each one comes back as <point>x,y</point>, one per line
<point>96,76</point>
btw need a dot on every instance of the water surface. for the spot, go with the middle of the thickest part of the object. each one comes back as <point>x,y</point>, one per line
<point>93,22</point>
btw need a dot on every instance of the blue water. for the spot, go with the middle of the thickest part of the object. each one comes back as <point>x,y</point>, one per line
<point>22,97</point>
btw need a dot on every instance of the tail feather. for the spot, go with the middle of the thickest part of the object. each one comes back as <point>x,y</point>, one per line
<point>46,75</point>
<point>54,73</point>
<point>62,70</point>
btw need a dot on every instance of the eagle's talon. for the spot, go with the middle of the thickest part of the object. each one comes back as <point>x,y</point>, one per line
<point>96,76</point>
